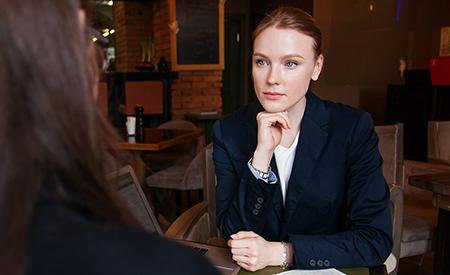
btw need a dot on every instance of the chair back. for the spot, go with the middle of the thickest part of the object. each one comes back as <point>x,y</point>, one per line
<point>390,144</point>
<point>192,225</point>
<point>178,124</point>
<point>397,209</point>
<point>209,189</point>
<point>180,176</point>
<point>439,141</point>
<point>148,94</point>
<point>198,223</point>
<point>181,124</point>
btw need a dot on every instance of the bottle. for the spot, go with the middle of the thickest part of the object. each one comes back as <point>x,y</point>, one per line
<point>163,66</point>
<point>140,130</point>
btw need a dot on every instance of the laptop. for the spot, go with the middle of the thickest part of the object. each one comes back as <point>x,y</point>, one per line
<point>129,188</point>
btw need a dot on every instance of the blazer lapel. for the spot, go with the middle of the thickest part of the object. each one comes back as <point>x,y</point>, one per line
<point>313,138</point>
<point>277,199</point>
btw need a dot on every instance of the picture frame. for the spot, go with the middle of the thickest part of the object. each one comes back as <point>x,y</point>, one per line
<point>196,34</point>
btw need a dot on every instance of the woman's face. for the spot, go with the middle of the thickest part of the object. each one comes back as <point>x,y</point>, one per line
<point>284,62</point>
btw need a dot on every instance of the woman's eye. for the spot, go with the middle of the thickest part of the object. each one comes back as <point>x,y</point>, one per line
<point>261,62</point>
<point>291,64</point>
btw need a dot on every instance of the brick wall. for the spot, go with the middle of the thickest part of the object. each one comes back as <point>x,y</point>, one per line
<point>133,24</point>
<point>196,91</point>
<point>161,32</point>
<point>193,91</point>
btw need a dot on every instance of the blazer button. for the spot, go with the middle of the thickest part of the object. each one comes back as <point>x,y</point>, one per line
<point>319,263</point>
<point>260,200</point>
<point>326,263</point>
<point>255,212</point>
<point>257,206</point>
<point>312,262</point>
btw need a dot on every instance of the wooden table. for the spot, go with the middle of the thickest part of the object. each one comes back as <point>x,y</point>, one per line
<point>222,256</point>
<point>206,120</point>
<point>156,140</point>
<point>159,139</point>
<point>380,270</point>
<point>439,184</point>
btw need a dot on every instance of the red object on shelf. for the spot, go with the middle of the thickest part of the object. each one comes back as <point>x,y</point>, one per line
<point>440,70</point>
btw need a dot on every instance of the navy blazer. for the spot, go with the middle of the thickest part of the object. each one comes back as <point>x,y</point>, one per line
<point>337,209</point>
<point>66,239</point>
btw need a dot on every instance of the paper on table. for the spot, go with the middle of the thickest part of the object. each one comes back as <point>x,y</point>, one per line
<point>329,271</point>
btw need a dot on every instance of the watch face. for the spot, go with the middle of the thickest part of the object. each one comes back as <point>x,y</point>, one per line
<point>264,175</point>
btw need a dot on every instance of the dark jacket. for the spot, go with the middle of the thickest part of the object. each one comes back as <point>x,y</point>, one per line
<point>337,211</point>
<point>65,240</point>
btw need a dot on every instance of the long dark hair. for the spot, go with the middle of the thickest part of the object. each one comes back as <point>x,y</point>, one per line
<point>51,133</point>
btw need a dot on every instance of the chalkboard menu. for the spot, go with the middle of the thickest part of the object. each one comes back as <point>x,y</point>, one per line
<point>196,34</point>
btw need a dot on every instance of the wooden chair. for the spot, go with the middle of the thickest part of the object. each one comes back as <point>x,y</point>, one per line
<point>418,201</point>
<point>179,168</point>
<point>198,223</point>
<point>397,224</point>
<point>419,216</point>
<point>181,124</point>
<point>391,149</point>
<point>439,142</point>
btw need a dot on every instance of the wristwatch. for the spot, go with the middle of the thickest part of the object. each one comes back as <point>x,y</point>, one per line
<point>262,175</point>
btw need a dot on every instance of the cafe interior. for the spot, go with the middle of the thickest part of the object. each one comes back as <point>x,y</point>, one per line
<point>171,68</point>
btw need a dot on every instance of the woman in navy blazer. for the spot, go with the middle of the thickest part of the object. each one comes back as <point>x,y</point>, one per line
<point>299,179</point>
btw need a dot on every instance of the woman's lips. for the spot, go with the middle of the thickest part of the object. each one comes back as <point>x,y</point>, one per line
<point>273,95</point>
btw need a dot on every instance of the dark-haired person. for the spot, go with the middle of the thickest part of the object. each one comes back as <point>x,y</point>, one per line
<point>299,179</point>
<point>57,214</point>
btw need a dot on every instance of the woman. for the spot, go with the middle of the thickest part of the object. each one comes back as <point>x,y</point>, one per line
<point>57,214</point>
<point>299,179</point>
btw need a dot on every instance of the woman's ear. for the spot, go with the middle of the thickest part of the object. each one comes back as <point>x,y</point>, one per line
<point>317,67</point>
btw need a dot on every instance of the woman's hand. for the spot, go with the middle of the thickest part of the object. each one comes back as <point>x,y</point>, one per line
<point>270,129</point>
<point>252,252</point>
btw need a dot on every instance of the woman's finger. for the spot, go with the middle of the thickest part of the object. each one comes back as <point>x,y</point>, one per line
<point>241,243</point>
<point>244,234</point>
<point>271,119</point>
<point>240,251</point>
<point>241,259</point>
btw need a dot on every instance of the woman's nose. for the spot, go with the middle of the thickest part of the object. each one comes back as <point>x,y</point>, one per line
<point>274,76</point>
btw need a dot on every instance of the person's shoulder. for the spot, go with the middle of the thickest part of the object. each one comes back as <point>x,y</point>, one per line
<point>342,111</point>
<point>141,252</point>
<point>72,244</point>
<point>342,114</point>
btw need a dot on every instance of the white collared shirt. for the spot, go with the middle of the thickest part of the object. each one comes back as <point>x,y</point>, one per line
<point>285,159</point>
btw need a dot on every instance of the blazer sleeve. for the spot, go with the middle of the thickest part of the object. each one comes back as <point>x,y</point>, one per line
<point>241,199</point>
<point>367,238</point>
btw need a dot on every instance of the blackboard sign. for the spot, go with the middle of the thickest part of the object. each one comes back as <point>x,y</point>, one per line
<point>196,34</point>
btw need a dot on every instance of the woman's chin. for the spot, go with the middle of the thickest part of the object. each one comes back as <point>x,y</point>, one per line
<point>273,108</point>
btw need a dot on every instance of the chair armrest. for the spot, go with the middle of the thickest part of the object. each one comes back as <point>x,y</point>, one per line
<point>397,217</point>
<point>438,161</point>
<point>188,225</point>
<point>413,167</point>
